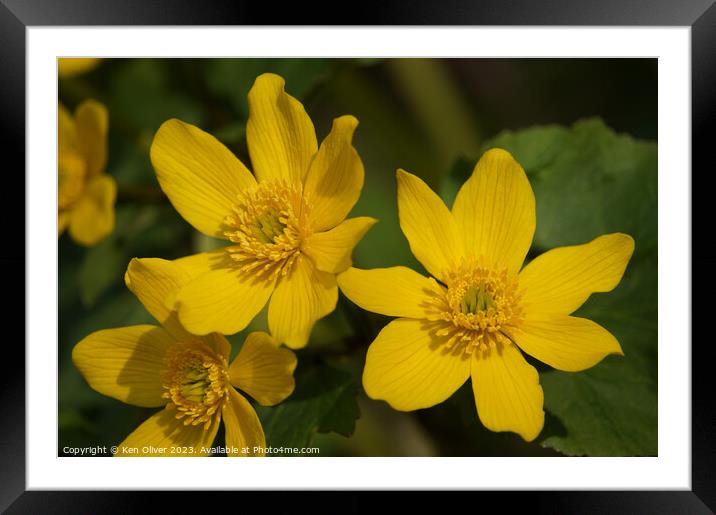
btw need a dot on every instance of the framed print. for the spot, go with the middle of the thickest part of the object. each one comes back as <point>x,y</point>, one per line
<point>391,255</point>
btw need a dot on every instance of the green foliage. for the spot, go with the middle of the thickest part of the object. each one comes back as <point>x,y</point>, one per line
<point>143,95</point>
<point>324,401</point>
<point>232,78</point>
<point>590,181</point>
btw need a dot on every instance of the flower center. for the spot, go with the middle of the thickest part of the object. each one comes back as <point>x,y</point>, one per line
<point>479,302</point>
<point>71,170</point>
<point>268,226</point>
<point>196,381</point>
<point>476,299</point>
<point>268,223</point>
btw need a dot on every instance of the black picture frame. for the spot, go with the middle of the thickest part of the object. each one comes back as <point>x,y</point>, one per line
<point>17,15</point>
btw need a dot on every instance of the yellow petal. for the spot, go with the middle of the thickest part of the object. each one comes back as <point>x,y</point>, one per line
<point>174,280</point>
<point>71,178</point>
<point>244,433</point>
<point>279,133</point>
<point>201,177</point>
<point>507,392</point>
<point>66,130</point>
<point>331,250</point>
<point>303,296</point>
<point>335,178</point>
<point>156,283</point>
<point>263,369</point>
<point>125,363</point>
<point>222,300</point>
<point>163,434</point>
<point>218,343</point>
<point>198,264</point>
<point>495,210</point>
<point>397,291</point>
<point>563,342</point>
<point>410,369</point>
<point>73,66</point>
<point>428,225</point>
<point>92,216</point>
<point>562,279</point>
<point>63,219</point>
<point>92,122</point>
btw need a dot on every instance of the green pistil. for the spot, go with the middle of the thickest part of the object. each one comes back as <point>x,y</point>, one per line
<point>268,227</point>
<point>476,300</point>
<point>195,384</point>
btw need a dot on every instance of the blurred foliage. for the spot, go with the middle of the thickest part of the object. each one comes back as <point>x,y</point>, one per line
<point>420,115</point>
<point>324,400</point>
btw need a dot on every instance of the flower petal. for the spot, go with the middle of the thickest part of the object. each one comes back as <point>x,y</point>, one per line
<point>66,130</point>
<point>72,66</point>
<point>279,133</point>
<point>408,367</point>
<point>562,279</point>
<point>303,296</point>
<point>63,220</point>
<point>565,343</point>
<point>201,177</point>
<point>495,210</point>
<point>428,225</point>
<point>263,369</point>
<point>125,363</point>
<point>163,434</point>
<point>218,343</point>
<point>397,291</point>
<point>331,250</point>
<point>92,122</point>
<point>156,283</point>
<point>243,427</point>
<point>92,217</point>
<point>71,178</point>
<point>507,392</point>
<point>222,300</point>
<point>335,177</point>
<point>198,264</point>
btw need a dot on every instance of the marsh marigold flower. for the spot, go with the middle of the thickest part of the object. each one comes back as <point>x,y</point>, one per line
<point>185,374</point>
<point>481,309</point>
<point>73,66</point>
<point>285,227</point>
<point>85,194</point>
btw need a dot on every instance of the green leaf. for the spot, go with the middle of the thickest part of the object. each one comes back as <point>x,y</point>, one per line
<point>324,401</point>
<point>589,181</point>
<point>611,409</point>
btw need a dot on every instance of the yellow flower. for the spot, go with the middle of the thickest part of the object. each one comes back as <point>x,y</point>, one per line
<point>188,375</point>
<point>85,194</point>
<point>73,66</point>
<point>482,311</point>
<point>286,229</point>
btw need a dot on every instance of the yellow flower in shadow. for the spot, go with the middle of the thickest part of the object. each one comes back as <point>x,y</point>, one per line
<point>85,193</point>
<point>286,227</point>
<point>187,375</point>
<point>73,66</point>
<point>482,309</point>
